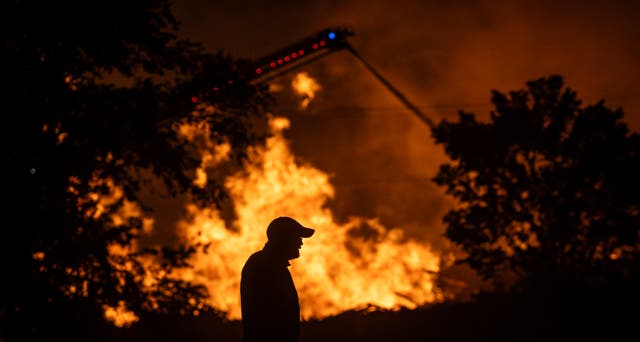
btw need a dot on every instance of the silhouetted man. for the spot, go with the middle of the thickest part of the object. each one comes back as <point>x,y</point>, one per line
<point>270,309</point>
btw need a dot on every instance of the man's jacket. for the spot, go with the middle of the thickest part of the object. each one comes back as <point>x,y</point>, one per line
<point>270,308</point>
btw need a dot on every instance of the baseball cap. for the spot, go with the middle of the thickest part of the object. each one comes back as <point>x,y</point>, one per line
<point>284,226</point>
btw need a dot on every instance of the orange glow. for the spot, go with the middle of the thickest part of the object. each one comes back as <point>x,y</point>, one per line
<point>339,269</point>
<point>210,153</point>
<point>71,82</point>
<point>306,86</point>
<point>61,134</point>
<point>120,315</point>
<point>345,265</point>
<point>39,256</point>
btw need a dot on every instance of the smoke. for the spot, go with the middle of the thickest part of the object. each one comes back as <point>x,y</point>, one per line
<point>445,57</point>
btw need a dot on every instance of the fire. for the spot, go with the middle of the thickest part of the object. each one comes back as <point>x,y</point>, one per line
<point>120,316</point>
<point>305,85</point>
<point>210,152</point>
<point>343,266</point>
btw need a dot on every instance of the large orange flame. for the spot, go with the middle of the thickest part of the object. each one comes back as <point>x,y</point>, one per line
<point>343,266</point>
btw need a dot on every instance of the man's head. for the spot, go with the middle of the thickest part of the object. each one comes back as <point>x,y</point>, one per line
<point>285,234</point>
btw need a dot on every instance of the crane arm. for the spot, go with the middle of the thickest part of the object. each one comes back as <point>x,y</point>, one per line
<point>307,51</point>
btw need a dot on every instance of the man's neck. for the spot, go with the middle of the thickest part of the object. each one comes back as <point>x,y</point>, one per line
<point>275,254</point>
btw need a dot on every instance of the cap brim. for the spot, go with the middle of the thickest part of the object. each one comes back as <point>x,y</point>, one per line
<point>306,232</point>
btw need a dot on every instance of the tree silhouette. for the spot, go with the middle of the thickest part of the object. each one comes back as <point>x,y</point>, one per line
<point>545,188</point>
<point>91,105</point>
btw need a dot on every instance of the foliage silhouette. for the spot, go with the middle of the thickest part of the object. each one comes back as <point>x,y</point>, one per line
<point>546,189</point>
<point>92,102</point>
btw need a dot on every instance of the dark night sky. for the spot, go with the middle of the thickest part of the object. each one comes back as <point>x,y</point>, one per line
<point>445,56</point>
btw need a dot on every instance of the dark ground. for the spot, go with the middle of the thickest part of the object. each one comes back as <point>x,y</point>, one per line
<point>570,316</point>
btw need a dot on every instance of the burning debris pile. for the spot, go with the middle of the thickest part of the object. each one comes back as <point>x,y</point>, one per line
<point>344,266</point>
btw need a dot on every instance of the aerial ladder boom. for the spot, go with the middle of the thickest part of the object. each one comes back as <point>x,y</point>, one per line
<point>309,50</point>
<point>300,53</point>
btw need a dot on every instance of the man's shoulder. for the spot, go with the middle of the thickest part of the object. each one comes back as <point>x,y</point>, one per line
<point>256,257</point>
<point>255,260</point>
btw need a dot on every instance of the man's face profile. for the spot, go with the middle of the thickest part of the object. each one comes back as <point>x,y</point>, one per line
<point>290,246</point>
